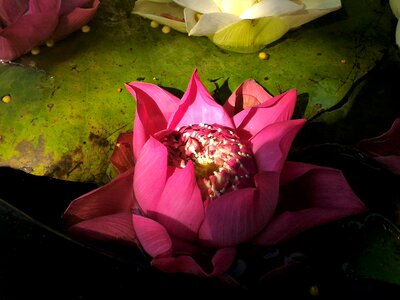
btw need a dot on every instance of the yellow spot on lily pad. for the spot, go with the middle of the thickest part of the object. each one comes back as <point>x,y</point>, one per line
<point>50,43</point>
<point>119,90</point>
<point>166,29</point>
<point>85,28</point>
<point>6,99</point>
<point>263,55</point>
<point>35,50</point>
<point>154,24</point>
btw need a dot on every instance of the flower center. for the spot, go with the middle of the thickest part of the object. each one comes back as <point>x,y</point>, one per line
<point>222,163</point>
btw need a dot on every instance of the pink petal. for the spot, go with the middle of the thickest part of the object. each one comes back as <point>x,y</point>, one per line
<point>317,197</point>
<point>238,216</point>
<point>272,144</point>
<point>198,106</point>
<point>385,148</point>
<point>150,174</point>
<point>11,10</point>
<point>180,208</point>
<point>221,262</point>
<point>152,236</point>
<point>153,110</point>
<point>252,120</point>
<point>74,20</point>
<point>114,197</point>
<point>69,5</point>
<point>110,228</point>
<point>122,156</point>
<point>30,30</point>
<point>247,95</point>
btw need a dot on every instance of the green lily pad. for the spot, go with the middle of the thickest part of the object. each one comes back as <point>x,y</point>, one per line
<point>68,104</point>
<point>379,257</point>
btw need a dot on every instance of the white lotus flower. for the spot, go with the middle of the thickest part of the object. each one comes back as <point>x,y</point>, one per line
<point>395,5</point>
<point>238,25</point>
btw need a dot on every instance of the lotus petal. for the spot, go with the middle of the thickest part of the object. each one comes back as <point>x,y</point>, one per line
<point>74,20</point>
<point>122,156</point>
<point>197,106</point>
<point>11,10</point>
<point>238,216</point>
<point>30,30</point>
<point>114,197</point>
<point>247,95</point>
<point>153,110</point>
<point>221,262</point>
<point>203,6</point>
<point>271,145</point>
<point>166,13</point>
<point>110,228</point>
<point>152,236</point>
<point>248,36</point>
<point>270,8</point>
<point>180,209</point>
<point>319,196</point>
<point>251,121</point>
<point>208,24</point>
<point>151,170</point>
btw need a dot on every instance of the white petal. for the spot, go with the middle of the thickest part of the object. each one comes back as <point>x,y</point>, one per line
<point>269,8</point>
<point>211,23</point>
<point>201,6</point>
<point>325,4</point>
<point>235,7</point>
<point>164,13</point>
<point>398,34</point>
<point>313,11</point>
<point>395,5</point>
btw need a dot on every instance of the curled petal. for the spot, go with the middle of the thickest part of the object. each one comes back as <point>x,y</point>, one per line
<point>75,19</point>
<point>166,13</point>
<point>247,95</point>
<point>252,120</point>
<point>151,174</point>
<point>271,145</point>
<point>385,148</point>
<point>238,216</point>
<point>248,36</point>
<point>114,197</point>
<point>180,208</point>
<point>204,6</point>
<point>110,228</point>
<point>122,156</point>
<point>197,106</point>
<point>69,5</point>
<point>153,237</point>
<point>154,108</point>
<point>11,10</point>
<point>221,262</point>
<point>395,6</point>
<point>30,30</point>
<point>208,24</point>
<point>319,196</point>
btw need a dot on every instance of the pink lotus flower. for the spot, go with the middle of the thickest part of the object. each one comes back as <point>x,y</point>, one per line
<point>385,148</point>
<point>205,178</point>
<point>25,24</point>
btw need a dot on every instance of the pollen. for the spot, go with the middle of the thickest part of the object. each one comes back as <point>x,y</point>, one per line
<point>50,43</point>
<point>221,161</point>
<point>166,29</point>
<point>85,28</point>
<point>154,24</point>
<point>6,99</point>
<point>35,51</point>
